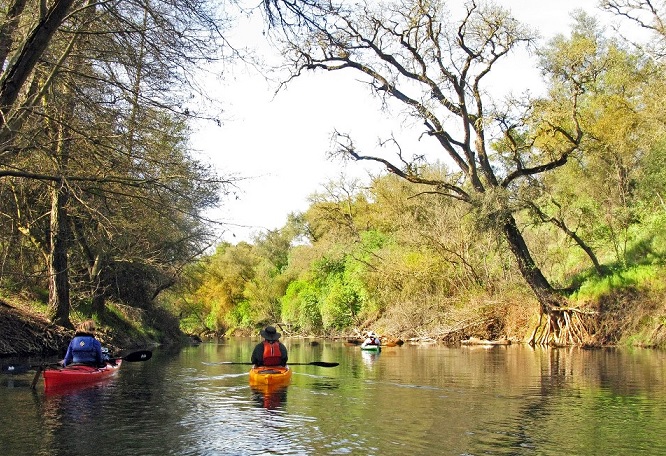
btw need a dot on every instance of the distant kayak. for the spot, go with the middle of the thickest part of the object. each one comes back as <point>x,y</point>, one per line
<point>270,375</point>
<point>371,347</point>
<point>78,374</point>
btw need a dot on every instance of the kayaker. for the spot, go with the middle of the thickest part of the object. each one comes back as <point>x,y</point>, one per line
<point>372,339</point>
<point>270,352</point>
<point>84,348</point>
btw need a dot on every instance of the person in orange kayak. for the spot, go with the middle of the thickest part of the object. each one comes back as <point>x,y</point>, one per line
<point>84,348</point>
<point>270,352</point>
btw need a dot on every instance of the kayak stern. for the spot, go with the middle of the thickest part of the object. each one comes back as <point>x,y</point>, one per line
<point>270,375</point>
<point>78,374</point>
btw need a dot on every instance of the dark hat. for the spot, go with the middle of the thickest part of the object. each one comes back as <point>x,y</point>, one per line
<point>270,333</point>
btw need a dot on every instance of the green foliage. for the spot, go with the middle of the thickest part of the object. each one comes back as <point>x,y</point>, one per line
<point>217,315</point>
<point>340,304</point>
<point>640,275</point>
<point>651,187</point>
<point>648,240</point>
<point>273,246</point>
<point>372,240</point>
<point>581,172</point>
<point>191,324</point>
<point>242,315</point>
<point>300,306</point>
<point>338,300</point>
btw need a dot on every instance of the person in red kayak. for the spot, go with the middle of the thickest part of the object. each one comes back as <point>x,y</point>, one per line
<point>84,347</point>
<point>270,352</point>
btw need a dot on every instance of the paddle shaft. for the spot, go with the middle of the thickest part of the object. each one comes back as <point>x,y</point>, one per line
<point>36,377</point>
<point>313,363</point>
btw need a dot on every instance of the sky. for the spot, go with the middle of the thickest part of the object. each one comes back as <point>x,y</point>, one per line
<point>278,143</point>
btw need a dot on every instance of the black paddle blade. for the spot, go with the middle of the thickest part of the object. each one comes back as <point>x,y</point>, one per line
<point>15,368</point>
<point>141,355</point>
<point>323,364</point>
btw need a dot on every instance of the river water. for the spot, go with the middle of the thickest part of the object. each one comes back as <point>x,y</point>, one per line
<point>409,400</point>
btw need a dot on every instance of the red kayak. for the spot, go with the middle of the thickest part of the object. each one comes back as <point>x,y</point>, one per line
<point>78,374</point>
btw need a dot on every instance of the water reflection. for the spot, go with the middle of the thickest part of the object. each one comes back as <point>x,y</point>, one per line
<point>324,384</point>
<point>71,416</point>
<point>369,357</point>
<point>514,401</point>
<point>270,397</point>
<point>12,381</point>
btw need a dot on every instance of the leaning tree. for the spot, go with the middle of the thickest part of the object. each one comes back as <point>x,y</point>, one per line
<point>414,54</point>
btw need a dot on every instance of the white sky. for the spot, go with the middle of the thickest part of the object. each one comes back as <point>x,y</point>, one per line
<point>279,144</point>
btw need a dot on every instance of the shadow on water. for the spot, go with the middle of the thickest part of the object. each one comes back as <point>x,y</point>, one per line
<point>325,384</point>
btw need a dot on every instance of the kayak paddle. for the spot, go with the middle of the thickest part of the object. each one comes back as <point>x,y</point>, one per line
<point>16,369</point>
<point>140,355</point>
<point>313,363</point>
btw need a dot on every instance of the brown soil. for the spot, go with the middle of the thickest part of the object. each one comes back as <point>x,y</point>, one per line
<point>24,333</point>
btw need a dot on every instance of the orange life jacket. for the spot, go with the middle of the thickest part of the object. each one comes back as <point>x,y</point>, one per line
<point>272,354</point>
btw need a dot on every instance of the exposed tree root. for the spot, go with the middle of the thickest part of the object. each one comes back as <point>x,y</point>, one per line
<point>563,326</point>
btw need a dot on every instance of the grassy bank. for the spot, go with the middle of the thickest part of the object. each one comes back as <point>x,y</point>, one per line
<point>626,308</point>
<point>26,331</point>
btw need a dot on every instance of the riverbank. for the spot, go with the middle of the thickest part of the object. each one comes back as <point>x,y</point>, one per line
<point>25,331</point>
<point>631,315</point>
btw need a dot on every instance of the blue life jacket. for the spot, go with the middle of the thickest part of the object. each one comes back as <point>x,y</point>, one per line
<point>83,350</point>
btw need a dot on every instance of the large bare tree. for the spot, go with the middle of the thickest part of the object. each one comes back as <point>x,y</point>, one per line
<point>436,62</point>
<point>648,15</point>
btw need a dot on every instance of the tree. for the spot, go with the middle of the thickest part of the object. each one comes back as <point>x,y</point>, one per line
<point>29,49</point>
<point>648,15</point>
<point>412,53</point>
<point>94,103</point>
<point>600,188</point>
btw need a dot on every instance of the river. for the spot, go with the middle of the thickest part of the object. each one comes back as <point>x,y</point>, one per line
<point>409,400</point>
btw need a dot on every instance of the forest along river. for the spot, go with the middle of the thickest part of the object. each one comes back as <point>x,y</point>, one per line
<point>409,400</point>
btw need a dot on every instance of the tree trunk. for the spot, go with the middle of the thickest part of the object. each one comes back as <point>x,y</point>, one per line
<point>8,28</point>
<point>530,271</point>
<point>98,304</point>
<point>58,266</point>
<point>563,325</point>
<point>14,77</point>
<point>98,300</point>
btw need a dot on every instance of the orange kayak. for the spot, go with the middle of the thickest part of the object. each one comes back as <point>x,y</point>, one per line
<point>78,374</point>
<point>270,375</point>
